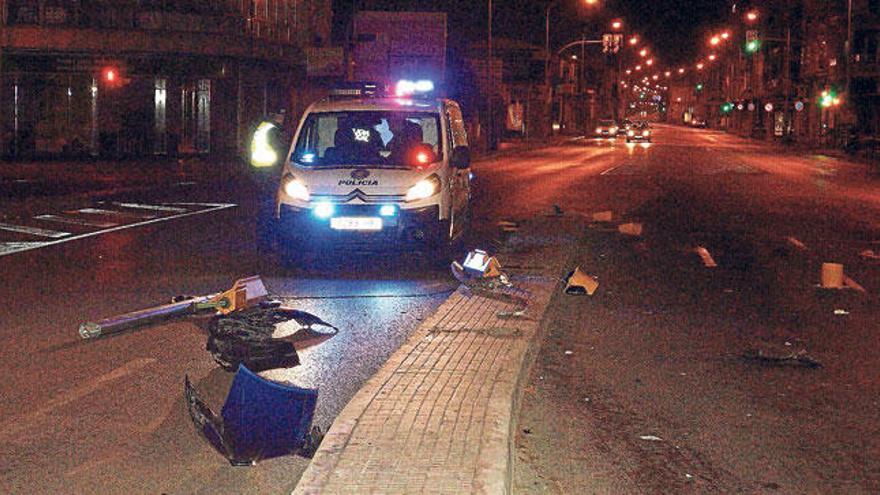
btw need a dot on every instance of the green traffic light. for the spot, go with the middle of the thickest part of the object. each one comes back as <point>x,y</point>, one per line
<point>753,46</point>
<point>699,86</point>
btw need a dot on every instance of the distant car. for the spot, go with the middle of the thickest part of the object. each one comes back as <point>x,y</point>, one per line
<point>625,126</point>
<point>606,129</point>
<point>639,132</point>
<point>698,123</point>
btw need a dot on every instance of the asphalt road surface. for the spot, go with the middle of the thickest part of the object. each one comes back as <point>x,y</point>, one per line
<point>709,361</point>
<point>108,416</point>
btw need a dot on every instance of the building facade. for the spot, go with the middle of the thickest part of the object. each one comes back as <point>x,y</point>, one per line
<point>133,78</point>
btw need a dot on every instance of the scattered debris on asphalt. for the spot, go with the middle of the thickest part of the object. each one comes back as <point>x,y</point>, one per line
<point>633,229</point>
<point>603,216</point>
<point>796,243</point>
<point>781,356</point>
<point>852,284</point>
<point>651,438</point>
<point>245,337</point>
<point>832,276</point>
<point>481,274</point>
<point>579,283</point>
<point>260,419</point>
<point>704,254</point>
<point>508,226</point>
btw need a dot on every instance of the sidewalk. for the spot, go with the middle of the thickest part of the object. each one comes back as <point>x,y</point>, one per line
<point>439,417</point>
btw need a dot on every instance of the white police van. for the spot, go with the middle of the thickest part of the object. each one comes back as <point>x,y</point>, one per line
<point>369,171</point>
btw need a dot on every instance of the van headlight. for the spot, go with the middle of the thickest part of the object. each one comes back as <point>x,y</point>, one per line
<point>424,188</point>
<point>646,133</point>
<point>295,188</point>
<point>631,133</point>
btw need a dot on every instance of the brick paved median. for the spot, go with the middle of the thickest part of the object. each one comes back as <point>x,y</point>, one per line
<point>438,416</point>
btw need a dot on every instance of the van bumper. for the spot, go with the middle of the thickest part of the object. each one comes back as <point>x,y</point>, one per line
<point>299,229</point>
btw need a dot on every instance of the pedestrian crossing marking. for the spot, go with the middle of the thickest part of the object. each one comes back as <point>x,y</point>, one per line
<point>74,221</point>
<point>24,229</point>
<point>14,247</point>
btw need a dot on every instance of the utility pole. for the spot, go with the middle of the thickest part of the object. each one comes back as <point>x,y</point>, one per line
<point>490,135</point>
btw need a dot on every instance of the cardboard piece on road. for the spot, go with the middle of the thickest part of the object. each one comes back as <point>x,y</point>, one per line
<point>634,229</point>
<point>832,276</point>
<point>579,283</point>
<point>852,284</point>
<point>603,216</point>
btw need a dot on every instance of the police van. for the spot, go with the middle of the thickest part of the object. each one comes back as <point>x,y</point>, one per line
<point>370,170</point>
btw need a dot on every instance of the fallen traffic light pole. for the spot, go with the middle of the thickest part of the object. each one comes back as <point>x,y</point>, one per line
<point>245,293</point>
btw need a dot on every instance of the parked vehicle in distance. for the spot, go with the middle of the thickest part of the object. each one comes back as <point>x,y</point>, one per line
<point>625,126</point>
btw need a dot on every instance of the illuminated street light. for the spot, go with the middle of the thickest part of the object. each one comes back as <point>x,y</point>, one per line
<point>712,57</point>
<point>644,52</point>
<point>667,73</point>
<point>655,77</point>
<point>634,40</point>
<point>650,61</point>
<point>638,67</point>
<point>715,40</point>
<point>681,70</point>
<point>752,16</point>
<point>629,71</point>
<point>616,25</point>
<point>700,66</point>
<point>725,35</point>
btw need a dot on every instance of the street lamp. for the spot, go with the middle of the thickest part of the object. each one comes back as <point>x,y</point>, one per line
<point>634,40</point>
<point>616,25</point>
<point>752,15</point>
<point>700,66</point>
<point>644,52</point>
<point>715,40</point>
<point>650,61</point>
<point>712,57</point>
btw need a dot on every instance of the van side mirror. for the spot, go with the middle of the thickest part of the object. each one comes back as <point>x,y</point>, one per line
<point>461,157</point>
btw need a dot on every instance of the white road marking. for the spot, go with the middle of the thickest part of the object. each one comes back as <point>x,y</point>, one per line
<point>75,221</point>
<point>609,171</point>
<point>14,247</point>
<point>708,261</point>
<point>219,206</point>
<point>852,284</point>
<point>101,211</point>
<point>28,419</point>
<point>137,206</point>
<point>24,229</point>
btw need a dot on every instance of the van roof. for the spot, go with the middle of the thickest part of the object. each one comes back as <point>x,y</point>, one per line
<point>376,104</point>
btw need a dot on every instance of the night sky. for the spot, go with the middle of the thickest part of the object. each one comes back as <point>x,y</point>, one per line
<point>675,29</point>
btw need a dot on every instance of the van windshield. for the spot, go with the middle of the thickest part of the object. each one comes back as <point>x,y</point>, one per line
<point>391,138</point>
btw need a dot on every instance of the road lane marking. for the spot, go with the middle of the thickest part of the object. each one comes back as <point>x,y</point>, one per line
<point>24,229</point>
<point>137,206</point>
<point>14,247</point>
<point>75,221</point>
<point>609,170</point>
<point>708,261</point>
<point>101,211</point>
<point>16,424</point>
<point>220,206</point>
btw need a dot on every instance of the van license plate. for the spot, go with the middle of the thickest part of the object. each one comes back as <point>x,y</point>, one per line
<point>356,223</point>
